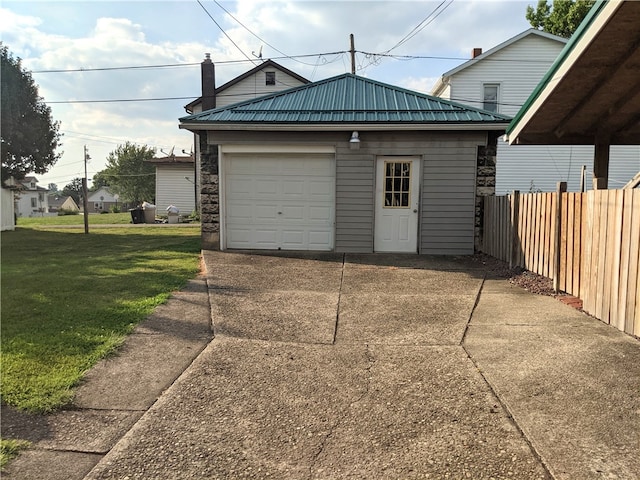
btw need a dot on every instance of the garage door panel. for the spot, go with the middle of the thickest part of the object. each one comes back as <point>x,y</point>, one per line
<point>285,201</point>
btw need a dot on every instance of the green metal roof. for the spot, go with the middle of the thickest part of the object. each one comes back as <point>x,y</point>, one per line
<point>350,99</point>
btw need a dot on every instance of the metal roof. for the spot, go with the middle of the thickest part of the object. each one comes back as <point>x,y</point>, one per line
<point>346,99</point>
<point>593,89</point>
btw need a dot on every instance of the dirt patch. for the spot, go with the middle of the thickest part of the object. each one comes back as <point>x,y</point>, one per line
<point>531,282</point>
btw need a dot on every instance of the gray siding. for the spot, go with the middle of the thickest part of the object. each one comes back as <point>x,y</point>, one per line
<point>448,197</point>
<point>447,201</point>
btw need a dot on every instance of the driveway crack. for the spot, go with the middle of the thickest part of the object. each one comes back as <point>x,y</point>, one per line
<point>367,387</point>
<point>335,325</point>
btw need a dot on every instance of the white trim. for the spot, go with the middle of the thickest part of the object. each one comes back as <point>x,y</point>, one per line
<point>222,204</point>
<point>578,50</point>
<point>266,148</point>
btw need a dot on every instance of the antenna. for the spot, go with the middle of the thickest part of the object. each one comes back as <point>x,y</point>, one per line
<point>259,53</point>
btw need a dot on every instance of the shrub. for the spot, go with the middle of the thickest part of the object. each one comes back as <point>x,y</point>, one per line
<point>67,211</point>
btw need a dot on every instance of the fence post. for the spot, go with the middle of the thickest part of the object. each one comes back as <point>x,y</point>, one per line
<point>515,221</point>
<point>562,188</point>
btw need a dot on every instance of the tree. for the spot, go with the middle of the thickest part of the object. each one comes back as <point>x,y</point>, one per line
<point>562,19</point>
<point>74,190</point>
<point>52,187</point>
<point>129,175</point>
<point>28,135</point>
<point>99,179</point>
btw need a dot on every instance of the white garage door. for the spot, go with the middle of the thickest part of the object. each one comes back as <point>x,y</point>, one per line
<point>282,201</point>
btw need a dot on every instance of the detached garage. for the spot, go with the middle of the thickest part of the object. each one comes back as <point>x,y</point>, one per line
<point>345,164</point>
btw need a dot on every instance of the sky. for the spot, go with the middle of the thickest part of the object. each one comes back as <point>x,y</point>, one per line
<point>81,55</point>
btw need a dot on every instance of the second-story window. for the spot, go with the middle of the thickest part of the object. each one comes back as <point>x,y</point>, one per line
<point>270,78</point>
<point>490,97</point>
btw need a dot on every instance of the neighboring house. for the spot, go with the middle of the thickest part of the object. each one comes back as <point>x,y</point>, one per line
<point>102,200</point>
<point>175,183</point>
<point>59,202</point>
<point>268,77</point>
<point>345,164</point>
<point>591,94</point>
<point>501,80</point>
<point>30,199</point>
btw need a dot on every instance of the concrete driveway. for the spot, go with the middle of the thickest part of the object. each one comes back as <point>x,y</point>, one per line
<point>350,366</point>
<point>382,366</point>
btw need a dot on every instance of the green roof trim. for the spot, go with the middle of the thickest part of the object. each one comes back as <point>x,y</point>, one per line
<point>566,51</point>
<point>347,98</point>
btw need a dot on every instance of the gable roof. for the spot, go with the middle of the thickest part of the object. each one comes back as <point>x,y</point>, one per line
<point>344,101</point>
<point>592,89</point>
<point>263,66</point>
<point>442,81</point>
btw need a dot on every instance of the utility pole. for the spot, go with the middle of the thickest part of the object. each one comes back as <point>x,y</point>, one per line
<point>353,54</point>
<point>85,193</point>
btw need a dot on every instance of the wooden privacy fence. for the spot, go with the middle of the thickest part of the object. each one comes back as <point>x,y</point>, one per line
<point>588,243</point>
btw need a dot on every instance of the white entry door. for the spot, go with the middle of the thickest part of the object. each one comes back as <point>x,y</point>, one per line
<point>397,189</point>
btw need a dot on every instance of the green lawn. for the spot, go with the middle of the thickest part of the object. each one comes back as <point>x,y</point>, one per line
<point>94,219</point>
<point>68,299</point>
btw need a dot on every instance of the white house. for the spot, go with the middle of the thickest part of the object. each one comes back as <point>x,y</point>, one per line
<point>102,200</point>
<point>175,183</point>
<point>30,199</point>
<point>501,80</point>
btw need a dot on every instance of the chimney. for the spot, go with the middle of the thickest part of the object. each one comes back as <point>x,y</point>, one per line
<point>208,71</point>
<point>475,52</point>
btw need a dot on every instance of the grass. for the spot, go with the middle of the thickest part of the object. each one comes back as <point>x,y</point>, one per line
<point>10,449</point>
<point>69,299</point>
<point>94,219</point>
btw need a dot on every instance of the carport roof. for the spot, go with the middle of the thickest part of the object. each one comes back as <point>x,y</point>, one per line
<point>347,100</point>
<point>592,91</point>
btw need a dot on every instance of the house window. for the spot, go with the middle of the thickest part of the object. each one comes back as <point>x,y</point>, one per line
<point>34,202</point>
<point>41,197</point>
<point>490,97</point>
<point>33,184</point>
<point>397,184</point>
<point>270,78</point>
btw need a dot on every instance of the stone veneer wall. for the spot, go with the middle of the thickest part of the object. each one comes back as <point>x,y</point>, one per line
<point>485,182</point>
<point>209,195</point>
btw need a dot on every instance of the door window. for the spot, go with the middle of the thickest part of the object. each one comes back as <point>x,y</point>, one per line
<point>397,184</point>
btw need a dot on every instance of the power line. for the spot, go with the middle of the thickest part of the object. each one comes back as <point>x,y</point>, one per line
<point>225,33</point>
<point>418,28</point>
<point>104,69</point>
<point>260,38</point>
<point>121,100</point>
<point>291,57</point>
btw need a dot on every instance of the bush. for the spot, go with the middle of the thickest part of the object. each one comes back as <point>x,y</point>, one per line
<point>115,209</point>
<point>65,211</point>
